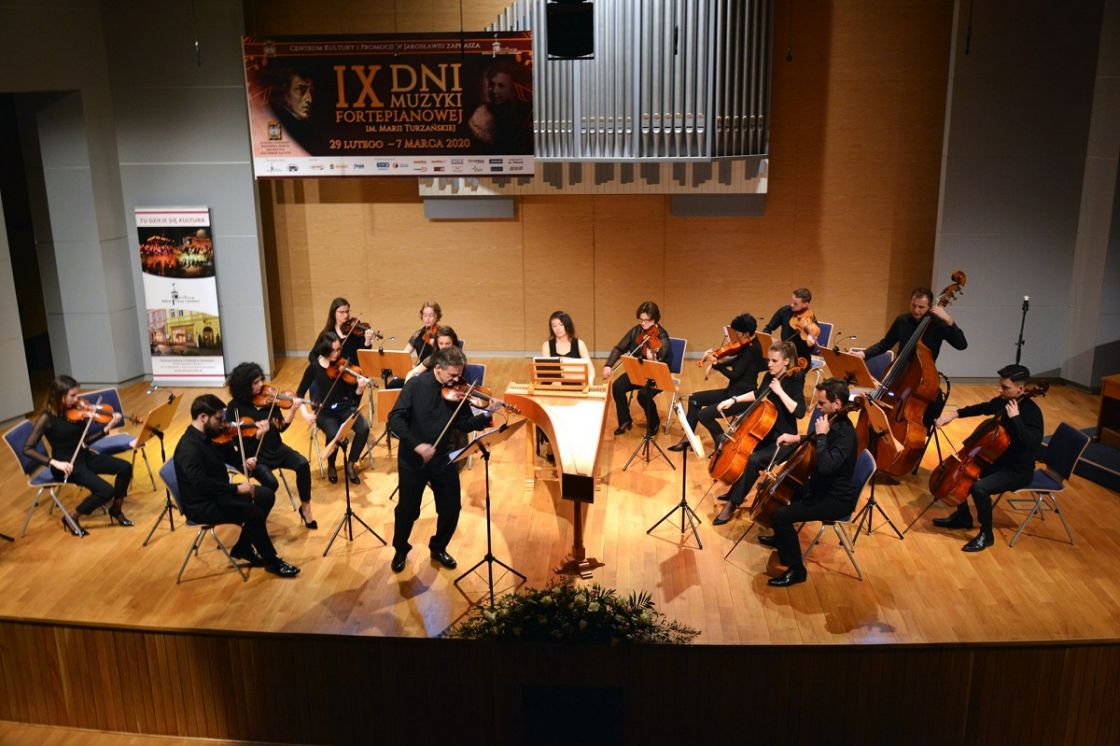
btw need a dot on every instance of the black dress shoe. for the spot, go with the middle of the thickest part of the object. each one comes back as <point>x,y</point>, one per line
<point>724,497</point>
<point>768,541</point>
<point>719,521</point>
<point>679,446</point>
<point>249,556</point>
<point>444,559</point>
<point>956,520</point>
<point>332,474</point>
<point>80,532</point>
<point>352,472</point>
<point>119,517</point>
<point>623,427</point>
<point>980,542</point>
<point>282,568</point>
<point>398,561</point>
<point>792,576</point>
<point>651,430</point>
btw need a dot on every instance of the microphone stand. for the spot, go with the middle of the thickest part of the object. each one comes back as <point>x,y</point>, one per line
<point>1022,323</point>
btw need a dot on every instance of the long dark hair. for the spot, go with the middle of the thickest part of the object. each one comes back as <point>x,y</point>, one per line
<point>650,309</point>
<point>336,304</point>
<point>566,321</point>
<point>324,343</point>
<point>240,383</point>
<point>58,388</point>
<point>446,331</point>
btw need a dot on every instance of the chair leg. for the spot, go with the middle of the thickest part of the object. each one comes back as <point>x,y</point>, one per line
<point>672,411</point>
<point>1036,508</point>
<point>1062,516</point>
<point>812,543</point>
<point>842,534</point>
<point>30,512</point>
<point>313,440</point>
<point>288,489</point>
<point>193,550</point>
<point>229,558</point>
<point>53,491</point>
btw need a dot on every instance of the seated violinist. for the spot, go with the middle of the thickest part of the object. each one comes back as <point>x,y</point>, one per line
<point>445,337</point>
<point>1022,419</point>
<point>829,493</point>
<point>741,369</point>
<point>647,340</point>
<point>784,386</point>
<point>338,400</point>
<point>354,336</point>
<point>785,323</point>
<point>63,423</point>
<point>209,497</point>
<point>250,399</point>
<point>423,342</point>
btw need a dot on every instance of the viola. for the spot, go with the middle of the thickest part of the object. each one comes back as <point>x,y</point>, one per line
<point>228,434</point>
<point>102,414</point>
<point>729,459</point>
<point>805,325</point>
<point>651,338</point>
<point>479,397</point>
<point>776,489</point>
<point>282,399</point>
<point>952,480</point>
<point>905,394</point>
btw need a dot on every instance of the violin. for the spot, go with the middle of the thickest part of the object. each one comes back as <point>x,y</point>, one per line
<point>354,326</point>
<point>805,325</point>
<point>102,414</point>
<point>651,338</point>
<point>729,460</point>
<point>952,480</point>
<point>246,426</point>
<point>282,399</point>
<point>712,357</point>
<point>479,397</point>
<point>428,337</point>
<point>349,374</point>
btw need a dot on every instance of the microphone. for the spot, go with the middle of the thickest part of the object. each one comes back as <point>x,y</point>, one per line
<point>151,389</point>
<point>1026,303</point>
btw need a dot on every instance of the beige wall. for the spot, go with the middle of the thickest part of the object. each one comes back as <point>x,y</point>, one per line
<point>851,213</point>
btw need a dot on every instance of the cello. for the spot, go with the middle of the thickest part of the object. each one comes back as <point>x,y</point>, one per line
<point>952,480</point>
<point>729,459</point>
<point>904,395</point>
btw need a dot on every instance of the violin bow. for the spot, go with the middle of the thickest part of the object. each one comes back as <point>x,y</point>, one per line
<point>241,445</point>
<point>454,414</point>
<point>81,443</point>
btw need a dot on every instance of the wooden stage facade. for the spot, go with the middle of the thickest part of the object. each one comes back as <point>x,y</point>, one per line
<point>107,610</point>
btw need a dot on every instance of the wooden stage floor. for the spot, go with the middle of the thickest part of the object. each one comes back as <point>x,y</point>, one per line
<point>919,590</point>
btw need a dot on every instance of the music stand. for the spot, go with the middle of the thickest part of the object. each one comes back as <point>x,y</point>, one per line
<point>848,367</point>
<point>656,375</point>
<point>156,423</point>
<point>483,443</point>
<point>385,363</point>
<point>349,516</point>
<point>685,509</point>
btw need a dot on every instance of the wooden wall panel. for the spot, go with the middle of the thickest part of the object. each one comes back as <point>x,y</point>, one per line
<point>851,213</point>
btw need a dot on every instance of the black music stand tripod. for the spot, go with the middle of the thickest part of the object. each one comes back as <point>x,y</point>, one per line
<point>479,443</point>
<point>657,377</point>
<point>155,424</point>
<point>866,515</point>
<point>683,506</point>
<point>340,442</point>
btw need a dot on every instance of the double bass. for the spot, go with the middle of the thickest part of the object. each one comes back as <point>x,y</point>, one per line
<point>903,397</point>
<point>729,459</point>
<point>952,480</point>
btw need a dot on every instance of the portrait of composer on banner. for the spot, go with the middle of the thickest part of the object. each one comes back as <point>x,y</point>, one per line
<point>503,122</point>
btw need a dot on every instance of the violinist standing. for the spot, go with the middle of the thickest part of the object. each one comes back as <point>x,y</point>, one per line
<point>784,319</point>
<point>742,377</point>
<point>340,322</point>
<point>829,493</point>
<point>209,497</point>
<point>1022,418</point>
<point>421,414</point>
<point>649,317</point>
<point>787,391</point>
<point>337,401</point>
<point>64,434</point>
<point>246,384</point>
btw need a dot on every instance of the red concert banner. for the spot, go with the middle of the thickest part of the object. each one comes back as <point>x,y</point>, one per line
<point>391,105</point>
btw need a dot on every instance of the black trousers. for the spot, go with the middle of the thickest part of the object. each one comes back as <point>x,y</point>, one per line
<point>993,482</point>
<point>251,514</point>
<point>646,395</point>
<point>702,410</point>
<point>759,460</point>
<point>285,457</point>
<point>330,420</point>
<point>444,481</point>
<point>85,474</point>
<point>798,511</point>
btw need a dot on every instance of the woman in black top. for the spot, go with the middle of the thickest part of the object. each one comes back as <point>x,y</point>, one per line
<point>338,321</point>
<point>430,315</point>
<point>445,337</point>
<point>742,376</point>
<point>787,391</point>
<point>563,342</point>
<point>63,437</point>
<point>337,401</point>
<point>246,382</point>
<point>648,315</point>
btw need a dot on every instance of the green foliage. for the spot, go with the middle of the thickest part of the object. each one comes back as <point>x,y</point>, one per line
<point>565,612</point>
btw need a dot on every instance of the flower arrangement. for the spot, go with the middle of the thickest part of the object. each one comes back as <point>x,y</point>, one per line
<point>565,612</point>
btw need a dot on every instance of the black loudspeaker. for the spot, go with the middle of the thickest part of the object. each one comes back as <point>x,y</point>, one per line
<point>571,29</point>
